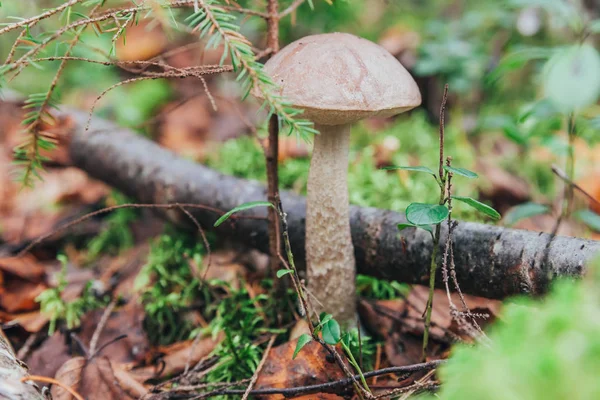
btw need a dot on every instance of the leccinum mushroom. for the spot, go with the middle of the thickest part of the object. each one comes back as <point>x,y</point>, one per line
<point>337,79</point>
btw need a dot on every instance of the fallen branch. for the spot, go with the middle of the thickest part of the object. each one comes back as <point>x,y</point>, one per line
<point>491,261</point>
<point>14,378</point>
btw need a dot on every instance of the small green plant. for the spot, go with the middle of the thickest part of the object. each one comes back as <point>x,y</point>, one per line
<point>541,349</point>
<point>333,335</point>
<point>52,303</point>
<point>430,216</point>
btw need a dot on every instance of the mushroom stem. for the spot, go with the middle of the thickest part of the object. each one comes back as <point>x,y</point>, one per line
<point>329,250</point>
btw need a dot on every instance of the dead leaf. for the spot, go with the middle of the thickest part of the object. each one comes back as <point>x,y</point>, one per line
<point>32,322</point>
<point>312,365</point>
<point>49,356</point>
<point>502,188</point>
<point>300,328</point>
<point>19,295</point>
<point>399,39</point>
<point>123,321</point>
<point>145,40</point>
<point>184,127</point>
<point>546,222</point>
<point>26,267</point>
<point>224,267</point>
<point>291,147</point>
<point>385,150</point>
<point>176,356</point>
<point>120,273</point>
<point>93,379</point>
<point>387,316</point>
<point>591,184</point>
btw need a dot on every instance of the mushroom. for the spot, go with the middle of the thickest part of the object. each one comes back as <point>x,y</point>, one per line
<point>337,79</point>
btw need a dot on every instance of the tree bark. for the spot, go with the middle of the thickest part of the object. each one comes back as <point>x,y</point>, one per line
<point>11,372</point>
<point>491,261</point>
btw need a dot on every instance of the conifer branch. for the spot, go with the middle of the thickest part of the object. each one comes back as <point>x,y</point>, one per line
<point>214,22</point>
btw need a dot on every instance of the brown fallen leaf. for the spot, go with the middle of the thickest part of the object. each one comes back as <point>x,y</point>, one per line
<point>224,267</point>
<point>399,39</point>
<point>312,365</point>
<point>19,295</point>
<point>546,223</point>
<point>501,187</point>
<point>32,321</point>
<point>120,272</point>
<point>386,316</point>
<point>93,379</point>
<point>144,41</point>
<point>591,184</point>
<point>127,320</point>
<point>175,358</point>
<point>184,127</point>
<point>300,328</point>
<point>49,356</point>
<point>26,267</point>
<point>385,150</point>
<point>291,147</point>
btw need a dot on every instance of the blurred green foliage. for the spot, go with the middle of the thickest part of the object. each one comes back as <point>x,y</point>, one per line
<point>541,349</point>
<point>168,287</point>
<point>368,185</point>
<point>70,312</point>
<point>117,235</point>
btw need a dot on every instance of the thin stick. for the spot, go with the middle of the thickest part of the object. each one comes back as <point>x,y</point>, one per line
<point>54,382</point>
<point>259,368</point>
<point>117,207</point>
<point>100,327</point>
<point>291,8</point>
<point>562,175</point>
<point>271,154</point>
<point>436,237</point>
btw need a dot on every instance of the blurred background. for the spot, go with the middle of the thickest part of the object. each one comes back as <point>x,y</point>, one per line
<point>492,54</point>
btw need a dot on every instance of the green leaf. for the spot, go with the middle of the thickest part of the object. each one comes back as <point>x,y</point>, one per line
<point>572,78</point>
<point>242,207</point>
<point>404,226</point>
<point>522,211</point>
<point>325,318</point>
<point>425,227</point>
<point>426,214</point>
<point>428,228</point>
<point>590,218</point>
<point>594,26</point>
<point>461,171</point>
<point>283,272</point>
<point>332,332</point>
<point>414,169</point>
<point>303,340</point>
<point>479,206</point>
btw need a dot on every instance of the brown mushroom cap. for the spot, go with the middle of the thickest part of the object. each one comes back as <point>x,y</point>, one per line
<point>339,78</point>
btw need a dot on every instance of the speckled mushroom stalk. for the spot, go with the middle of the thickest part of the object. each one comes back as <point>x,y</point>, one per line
<point>329,251</point>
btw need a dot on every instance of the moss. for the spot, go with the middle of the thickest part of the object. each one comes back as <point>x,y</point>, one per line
<point>546,349</point>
